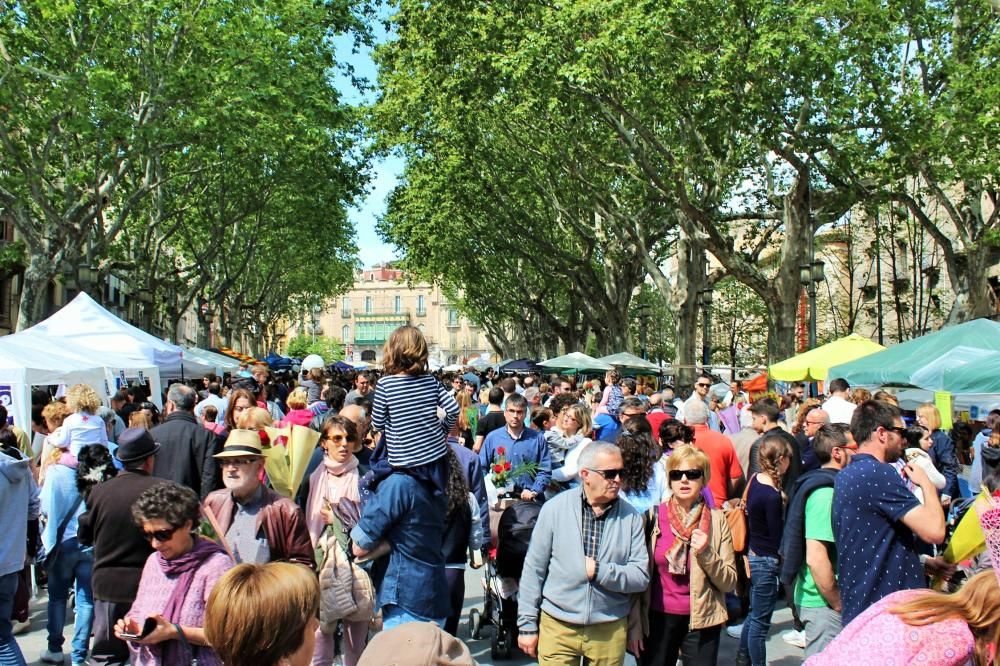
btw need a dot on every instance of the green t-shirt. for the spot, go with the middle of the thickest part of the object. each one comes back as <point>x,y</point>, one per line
<point>819,526</point>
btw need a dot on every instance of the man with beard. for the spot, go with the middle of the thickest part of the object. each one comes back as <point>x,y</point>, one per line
<point>876,519</point>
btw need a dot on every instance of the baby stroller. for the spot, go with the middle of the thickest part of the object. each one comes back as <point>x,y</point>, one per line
<point>503,570</point>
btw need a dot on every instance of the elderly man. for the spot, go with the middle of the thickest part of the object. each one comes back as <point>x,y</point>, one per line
<point>120,550</point>
<point>186,447</point>
<point>258,524</point>
<point>727,474</point>
<point>587,557</point>
<point>815,418</point>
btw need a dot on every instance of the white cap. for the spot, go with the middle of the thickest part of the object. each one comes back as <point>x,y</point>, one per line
<point>312,361</point>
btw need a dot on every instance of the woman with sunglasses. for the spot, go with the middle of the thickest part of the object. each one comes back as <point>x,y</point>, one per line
<point>765,523</point>
<point>335,503</point>
<point>176,581</point>
<point>692,567</point>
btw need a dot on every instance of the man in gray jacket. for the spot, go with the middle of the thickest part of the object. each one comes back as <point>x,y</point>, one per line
<point>587,556</point>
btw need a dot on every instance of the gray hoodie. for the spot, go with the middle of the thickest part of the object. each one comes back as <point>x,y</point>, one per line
<point>554,578</point>
<point>19,499</point>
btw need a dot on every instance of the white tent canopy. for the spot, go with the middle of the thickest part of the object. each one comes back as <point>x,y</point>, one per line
<point>220,362</point>
<point>28,360</point>
<point>84,323</point>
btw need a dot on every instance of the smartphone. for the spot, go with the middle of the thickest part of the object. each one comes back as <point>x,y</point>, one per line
<point>147,628</point>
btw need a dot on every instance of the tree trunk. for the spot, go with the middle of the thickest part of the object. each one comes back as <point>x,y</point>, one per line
<point>691,277</point>
<point>34,288</point>
<point>974,298</point>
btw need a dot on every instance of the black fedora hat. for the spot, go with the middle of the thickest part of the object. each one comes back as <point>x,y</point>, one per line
<point>135,444</point>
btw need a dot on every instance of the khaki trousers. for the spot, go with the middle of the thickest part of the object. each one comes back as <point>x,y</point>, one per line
<point>563,644</point>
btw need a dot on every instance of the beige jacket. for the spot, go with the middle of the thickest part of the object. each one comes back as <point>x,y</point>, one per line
<point>713,574</point>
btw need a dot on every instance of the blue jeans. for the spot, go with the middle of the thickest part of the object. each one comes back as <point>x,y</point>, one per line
<point>10,653</point>
<point>393,616</point>
<point>763,595</point>
<point>71,566</point>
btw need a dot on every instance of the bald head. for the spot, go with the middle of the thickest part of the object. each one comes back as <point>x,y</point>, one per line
<point>815,419</point>
<point>355,414</point>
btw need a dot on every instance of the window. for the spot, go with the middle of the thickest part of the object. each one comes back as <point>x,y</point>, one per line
<point>345,307</point>
<point>452,317</point>
<point>421,306</point>
<point>345,334</point>
<point>368,304</point>
<point>397,304</point>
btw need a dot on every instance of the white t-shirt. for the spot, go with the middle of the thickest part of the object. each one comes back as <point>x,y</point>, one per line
<point>840,410</point>
<point>79,430</point>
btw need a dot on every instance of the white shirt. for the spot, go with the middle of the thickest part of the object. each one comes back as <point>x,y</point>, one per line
<point>840,410</point>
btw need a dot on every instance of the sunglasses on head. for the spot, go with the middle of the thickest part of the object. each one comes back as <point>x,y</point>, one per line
<point>690,474</point>
<point>160,535</point>
<point>608,474</point>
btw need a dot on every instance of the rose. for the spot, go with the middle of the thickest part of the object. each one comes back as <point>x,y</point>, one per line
<point>501,451</point>
<point>498,468</point>
<point>506,466</point>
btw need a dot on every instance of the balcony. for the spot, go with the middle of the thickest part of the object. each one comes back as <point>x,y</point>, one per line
<point>386,314</point>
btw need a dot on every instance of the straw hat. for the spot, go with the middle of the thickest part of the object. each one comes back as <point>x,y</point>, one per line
<point>242,443</point>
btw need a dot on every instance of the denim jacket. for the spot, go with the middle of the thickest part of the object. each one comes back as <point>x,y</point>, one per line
<point>405,513</point>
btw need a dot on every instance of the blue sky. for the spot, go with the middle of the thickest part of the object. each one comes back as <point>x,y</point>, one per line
<point>384,173</point>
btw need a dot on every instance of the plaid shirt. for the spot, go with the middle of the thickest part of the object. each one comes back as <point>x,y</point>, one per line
<point>593,527</point>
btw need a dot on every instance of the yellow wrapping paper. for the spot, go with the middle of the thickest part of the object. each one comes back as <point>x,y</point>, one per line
<point>968,539</point>
<point>286,465</point>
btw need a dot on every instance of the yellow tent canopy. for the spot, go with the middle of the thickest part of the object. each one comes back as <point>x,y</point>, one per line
<point>815,364</point>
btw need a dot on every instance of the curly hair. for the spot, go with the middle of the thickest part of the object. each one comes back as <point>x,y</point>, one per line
<point>167,501</point>
<point>82,398</point>
<point>639,454</point>
<point>298,399</point>
<point>457,490</point>
<point>55,412</point>
<point>773,448</point>
<point>562,401</point>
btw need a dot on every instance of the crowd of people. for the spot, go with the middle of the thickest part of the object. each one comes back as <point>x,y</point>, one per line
<point>666,525</point>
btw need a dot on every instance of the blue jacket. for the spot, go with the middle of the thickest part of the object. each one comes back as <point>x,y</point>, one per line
<point>942,452</point>
<point>793,541</point>
<point>405,513</point>
<point>19,502</point>
<point>529,447</point>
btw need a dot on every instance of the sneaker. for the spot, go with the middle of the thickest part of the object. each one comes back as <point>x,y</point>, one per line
<point>20,627</point>
<point>796,638</point>
<point>735,631</point>
<point>52,657</point>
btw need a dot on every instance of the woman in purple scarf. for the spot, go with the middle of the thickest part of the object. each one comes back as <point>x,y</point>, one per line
<point>175,583</point>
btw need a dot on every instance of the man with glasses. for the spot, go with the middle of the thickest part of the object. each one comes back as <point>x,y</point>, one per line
<point>587,557</point>
<point>815,418</point>
<point>876,519</point>
<point>702,388</point>
<point>520,445</point>
<point>258,524</point>
<point>808,547</point>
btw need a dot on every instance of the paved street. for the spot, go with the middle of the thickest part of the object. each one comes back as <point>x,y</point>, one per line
<point>779,653</point>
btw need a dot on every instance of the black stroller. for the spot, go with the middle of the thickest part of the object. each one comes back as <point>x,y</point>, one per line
<point>503,569</point>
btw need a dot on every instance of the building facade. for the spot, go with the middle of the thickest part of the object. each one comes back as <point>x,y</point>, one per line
<point>381,300</point>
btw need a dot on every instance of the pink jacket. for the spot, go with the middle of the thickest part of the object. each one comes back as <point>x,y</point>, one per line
<point>879,632</point>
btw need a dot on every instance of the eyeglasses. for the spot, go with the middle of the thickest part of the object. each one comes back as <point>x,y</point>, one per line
<point>849,447</point>
<point>690,474</point>
<point>703,385</point>
<point>160,535</point>
<point>896,429</point>
<point>237,462</point>
<point>819,423</point>
<point>335,439</point>
<point>608,474</point>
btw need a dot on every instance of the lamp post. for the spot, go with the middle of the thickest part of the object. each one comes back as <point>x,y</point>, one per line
<point>643,325</point>
<point>810,275</point>
<point>705,296</point>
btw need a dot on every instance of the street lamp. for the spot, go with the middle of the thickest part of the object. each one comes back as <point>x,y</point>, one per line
<point>705,296</point>
<point>810,275</point>
<point>643,325</point>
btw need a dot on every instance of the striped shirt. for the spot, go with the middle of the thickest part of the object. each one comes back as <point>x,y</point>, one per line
<point>405,412</point>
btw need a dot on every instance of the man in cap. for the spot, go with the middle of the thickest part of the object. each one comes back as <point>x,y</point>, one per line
<point>258,524</point>
<point>120,550</point>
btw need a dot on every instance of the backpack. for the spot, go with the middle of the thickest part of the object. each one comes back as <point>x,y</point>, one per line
<point>346,590</point>
<point>615,400</point>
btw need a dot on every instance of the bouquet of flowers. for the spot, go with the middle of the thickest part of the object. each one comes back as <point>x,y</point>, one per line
<point>503,474</point>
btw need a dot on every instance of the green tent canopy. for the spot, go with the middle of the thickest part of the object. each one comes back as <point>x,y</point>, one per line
<point>929,361</point>
<point>814,365</point>
<point>576,361</point>
<point>626,361</point>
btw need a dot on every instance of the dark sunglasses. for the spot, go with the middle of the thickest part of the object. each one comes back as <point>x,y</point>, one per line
<point>160,535</point>
<point>703,385</point>
<point>690,474</point>
<point>609,474</point>
<point>896,429</point>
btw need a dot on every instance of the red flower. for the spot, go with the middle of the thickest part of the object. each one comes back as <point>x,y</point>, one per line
<point>506,466</point>
<point>497,468</point>
<point>501,451</point>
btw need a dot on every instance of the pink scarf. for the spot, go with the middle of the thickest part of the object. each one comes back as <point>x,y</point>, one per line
<point>335,484</point>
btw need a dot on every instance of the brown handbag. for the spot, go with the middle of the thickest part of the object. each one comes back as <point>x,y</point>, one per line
<point>736,515</point>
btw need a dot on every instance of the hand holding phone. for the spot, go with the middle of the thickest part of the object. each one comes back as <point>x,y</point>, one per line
<point>129,630</point>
